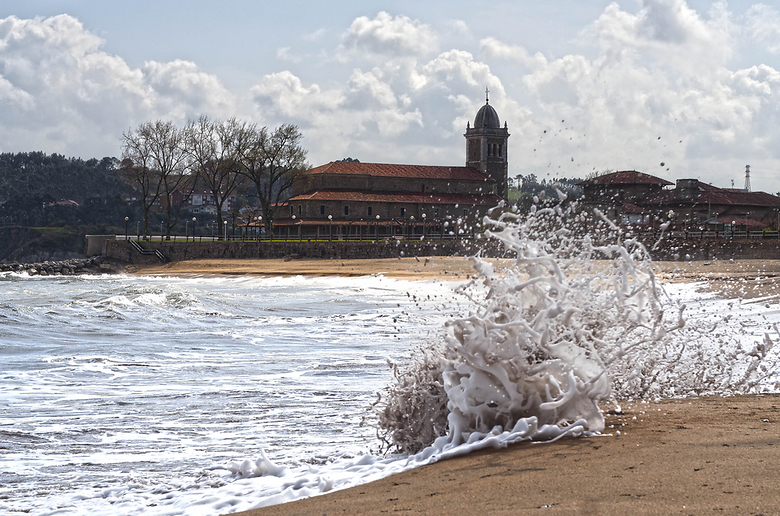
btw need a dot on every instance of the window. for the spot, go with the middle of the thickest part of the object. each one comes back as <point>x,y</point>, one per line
<point>300,209</point>
<point>423,188</point>
<point>499,150</point>
<point>322,209</point>
<point>465,212</point>
<point>436,213</point>
<point>403,212</point>
<point>291,210</point>
<point>346,210</point>
<point>370,210</point>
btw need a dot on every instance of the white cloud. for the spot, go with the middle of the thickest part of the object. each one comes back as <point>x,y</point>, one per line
<point>763,22</point>
<point>317,35</point>
<point>491,48</point>
<point>667,31</point>
<point>390,35</point>
<point>63,94</point>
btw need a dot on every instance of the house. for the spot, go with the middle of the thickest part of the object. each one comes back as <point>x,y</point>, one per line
<point>632,197</point>
<point>353,199</point>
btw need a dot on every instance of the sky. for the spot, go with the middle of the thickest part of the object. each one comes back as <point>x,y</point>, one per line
<point>671,88</point>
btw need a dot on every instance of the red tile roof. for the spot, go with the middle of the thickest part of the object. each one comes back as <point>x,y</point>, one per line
<point>409,171</point>
<point>398,197</point>
<point>633,209</point>
<point>626,177</point>
<point>717,196</point>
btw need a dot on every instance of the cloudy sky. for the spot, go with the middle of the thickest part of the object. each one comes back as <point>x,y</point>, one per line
<point>672,88</point>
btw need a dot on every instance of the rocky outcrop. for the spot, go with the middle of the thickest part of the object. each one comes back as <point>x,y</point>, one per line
<point>94,265</point>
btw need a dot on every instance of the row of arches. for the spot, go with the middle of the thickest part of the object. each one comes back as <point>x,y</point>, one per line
<point>495,150</point>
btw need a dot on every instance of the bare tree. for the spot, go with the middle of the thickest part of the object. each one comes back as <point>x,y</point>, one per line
<point>274,162</point>
<point>155,160</point>
<point>215,148</point>
<point>137,170</point>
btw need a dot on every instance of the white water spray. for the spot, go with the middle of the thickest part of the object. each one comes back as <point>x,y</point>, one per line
<point>577,320</point>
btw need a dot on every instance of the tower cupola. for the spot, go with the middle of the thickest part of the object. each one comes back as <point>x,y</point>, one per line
<point>486,145</point>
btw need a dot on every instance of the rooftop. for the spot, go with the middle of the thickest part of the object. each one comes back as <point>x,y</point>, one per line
<point>407,171</point>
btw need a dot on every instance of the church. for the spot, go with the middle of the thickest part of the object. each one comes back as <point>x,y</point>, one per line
<point>353,200</point>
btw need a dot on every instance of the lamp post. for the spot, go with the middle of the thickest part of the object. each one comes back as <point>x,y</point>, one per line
<point>162,236</point>
<point>187,233</point>
<point>224,223</point>
<point>330,228</point>
<point>411,231</point>
<point>194,220</point>
<point>126,219</point>
<point>423,217</point>
<point>259,227</point>
<point>138,230</point>
<point>376,229</point>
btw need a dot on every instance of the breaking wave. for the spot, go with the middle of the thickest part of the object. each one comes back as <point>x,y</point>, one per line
<point>578,320</point>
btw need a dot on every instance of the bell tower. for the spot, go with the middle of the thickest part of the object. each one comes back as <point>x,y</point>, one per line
<point>486,146</point>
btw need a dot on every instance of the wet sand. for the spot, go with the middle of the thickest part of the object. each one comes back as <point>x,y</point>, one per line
<point>448,268</point>
<point>693,456</point>
<point>741,278</point>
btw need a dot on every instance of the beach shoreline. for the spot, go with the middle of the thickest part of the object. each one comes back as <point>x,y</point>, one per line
<point>746,279</point>
<point>677,456</point>
<point>674,456</point>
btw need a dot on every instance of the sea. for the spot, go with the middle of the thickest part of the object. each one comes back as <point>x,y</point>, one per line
<point>131,394</point>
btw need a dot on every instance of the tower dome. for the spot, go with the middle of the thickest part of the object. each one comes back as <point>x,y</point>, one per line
<point>486,146</point>
<point>486,118</point>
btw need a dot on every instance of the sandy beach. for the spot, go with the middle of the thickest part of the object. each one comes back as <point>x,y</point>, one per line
<point>689,456</point>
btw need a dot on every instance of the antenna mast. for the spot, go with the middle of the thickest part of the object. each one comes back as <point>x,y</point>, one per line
<point>747,178</point>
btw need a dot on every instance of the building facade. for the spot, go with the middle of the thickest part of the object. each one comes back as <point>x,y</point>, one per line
<point>353,199</point>
<point>632,197</point>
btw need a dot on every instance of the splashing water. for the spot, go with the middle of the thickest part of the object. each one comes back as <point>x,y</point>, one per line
<point>579,319</point>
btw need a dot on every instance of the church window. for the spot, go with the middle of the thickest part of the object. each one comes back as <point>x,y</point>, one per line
<point>322,209</point>
<point>370,210</point>
<point>292,210</point>
<point>346,210</point>
<point>403,212</point>
<point>300,209</point>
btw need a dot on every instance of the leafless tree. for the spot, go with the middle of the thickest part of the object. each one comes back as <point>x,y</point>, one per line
<point>274,161</point>
<point>215,148</point>
<point>137,170</point>
<point>153,156</point>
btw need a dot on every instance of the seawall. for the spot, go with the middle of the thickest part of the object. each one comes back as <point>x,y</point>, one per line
<point>667,250</point>
<point>121,250</point>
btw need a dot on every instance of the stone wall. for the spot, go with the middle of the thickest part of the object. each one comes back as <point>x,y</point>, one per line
<point>670,250</point>
<point>176,251</point>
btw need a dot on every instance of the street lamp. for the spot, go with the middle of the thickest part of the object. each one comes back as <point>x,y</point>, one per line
<point>376,229</point>
<point>330,228</point>
<point>161,232</point>
<point>126,219</point>
<point>194,220</point>
<point>423,216</point>
<point>411,224</point>
<point>138,230</point>
<point>224,223</point>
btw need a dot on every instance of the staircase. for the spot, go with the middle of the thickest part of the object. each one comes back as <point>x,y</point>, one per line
<point>148,252</point>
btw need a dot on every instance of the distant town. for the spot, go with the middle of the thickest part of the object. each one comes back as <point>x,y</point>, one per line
<point>233,180</point>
